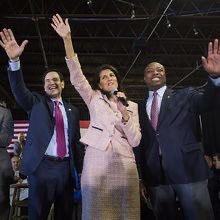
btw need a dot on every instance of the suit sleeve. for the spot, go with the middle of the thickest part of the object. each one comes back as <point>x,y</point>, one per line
<point>22,94</point>
<point>79,81</point>
<point>6,128</point>
<point>205,100</point>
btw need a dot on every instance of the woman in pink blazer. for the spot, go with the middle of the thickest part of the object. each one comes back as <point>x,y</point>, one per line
<point>109,181</point>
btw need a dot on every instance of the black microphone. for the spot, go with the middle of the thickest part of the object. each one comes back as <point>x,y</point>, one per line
<point>121,99</point>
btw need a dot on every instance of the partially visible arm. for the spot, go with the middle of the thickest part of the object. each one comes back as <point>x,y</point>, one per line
<point>211,64</point>
<point>10,45</point>
<point>209,99</point>
<point>22,94</point>
<point>6,127</point>
<point>77,78</point>
<point>64,31</point>
<point>68,45</point>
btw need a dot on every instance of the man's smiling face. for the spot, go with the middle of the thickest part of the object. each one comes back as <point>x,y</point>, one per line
<point>155,76</point>
<point>53,86</point>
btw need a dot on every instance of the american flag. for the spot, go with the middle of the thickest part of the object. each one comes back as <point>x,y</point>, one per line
<point>22,126</point>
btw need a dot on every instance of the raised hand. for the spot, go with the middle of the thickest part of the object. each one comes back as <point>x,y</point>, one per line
<point>212,63</point>
<point>62,29</point>
<point>10,45</point>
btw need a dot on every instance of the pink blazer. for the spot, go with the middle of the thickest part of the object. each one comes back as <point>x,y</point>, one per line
<point>106,125</point>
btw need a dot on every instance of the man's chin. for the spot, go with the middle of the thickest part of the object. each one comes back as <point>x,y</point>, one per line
<point>53,95</point>
<point>156,86</point>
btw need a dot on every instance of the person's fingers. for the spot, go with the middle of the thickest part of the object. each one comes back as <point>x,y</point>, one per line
<point>215,47</point>
<point>2,44</point>
<point>67,21</point>
<point>204,62</point>
<point>53,26</point>
<point>3,36</point>
<point>11,34</point>
<point>218,46</point>
<point>210,48</point>
<point>67,24</point>
<point>59,18</point>
<point>55,20</point>
<point>7,35</point>
<point>24,43</point>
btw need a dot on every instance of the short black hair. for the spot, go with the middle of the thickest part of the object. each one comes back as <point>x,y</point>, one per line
<point>53,70</point>
<point>96,79</point>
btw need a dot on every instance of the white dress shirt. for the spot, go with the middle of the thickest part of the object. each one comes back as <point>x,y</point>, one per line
<point>160,93</point>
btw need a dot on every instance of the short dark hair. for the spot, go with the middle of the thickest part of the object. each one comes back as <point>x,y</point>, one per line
<point>53,70</point>
<point>96,79</point>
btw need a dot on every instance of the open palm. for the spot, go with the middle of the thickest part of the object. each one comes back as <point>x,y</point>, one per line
<point>212,63</point>
<point>63,29</point>
<point>10,45</point>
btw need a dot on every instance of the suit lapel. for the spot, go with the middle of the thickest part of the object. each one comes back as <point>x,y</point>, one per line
<point>164,105</point>
<point>50,106</point>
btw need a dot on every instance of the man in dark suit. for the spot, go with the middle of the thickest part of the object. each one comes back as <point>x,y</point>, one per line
<point>6,171</point>
<point>170,158</point>
<point>50,155</point>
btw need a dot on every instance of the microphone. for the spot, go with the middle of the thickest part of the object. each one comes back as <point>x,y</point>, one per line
<point>121,99</point>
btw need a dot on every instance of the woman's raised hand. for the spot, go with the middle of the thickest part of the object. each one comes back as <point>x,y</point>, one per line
<point>61,27</point>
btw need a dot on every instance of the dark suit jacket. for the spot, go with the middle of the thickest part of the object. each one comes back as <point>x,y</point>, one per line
<point>182,154</point>
<point>6,127</point>
<point>41,125</point>
<point>6,171</point>
<point>210,130</point>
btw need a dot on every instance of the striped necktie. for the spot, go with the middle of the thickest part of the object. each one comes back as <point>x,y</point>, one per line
<point>154,111</point>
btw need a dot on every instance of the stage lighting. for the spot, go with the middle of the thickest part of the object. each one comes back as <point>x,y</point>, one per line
<point>195,31</point>
<point>89,2</point>
<point>132,11</point>
<point>168,22</point>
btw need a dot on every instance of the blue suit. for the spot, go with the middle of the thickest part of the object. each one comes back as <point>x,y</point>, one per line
<point>181,160</point>
<point>41,127</point>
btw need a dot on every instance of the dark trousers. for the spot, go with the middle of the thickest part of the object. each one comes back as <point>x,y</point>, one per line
<point>6,178</point>
<point>51,183</point>
<point>214,190</point>
<point>193,197</point>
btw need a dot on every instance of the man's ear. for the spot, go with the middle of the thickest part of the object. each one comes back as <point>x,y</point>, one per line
<point>62,84</point>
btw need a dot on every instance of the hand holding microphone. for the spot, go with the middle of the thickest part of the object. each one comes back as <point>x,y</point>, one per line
<point>123,100</point>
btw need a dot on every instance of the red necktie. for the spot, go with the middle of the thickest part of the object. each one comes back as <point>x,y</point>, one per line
<point>60,135</point>
<point>154,111</point>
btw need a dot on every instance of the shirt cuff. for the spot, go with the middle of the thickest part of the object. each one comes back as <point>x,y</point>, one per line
<point>14,65</point>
